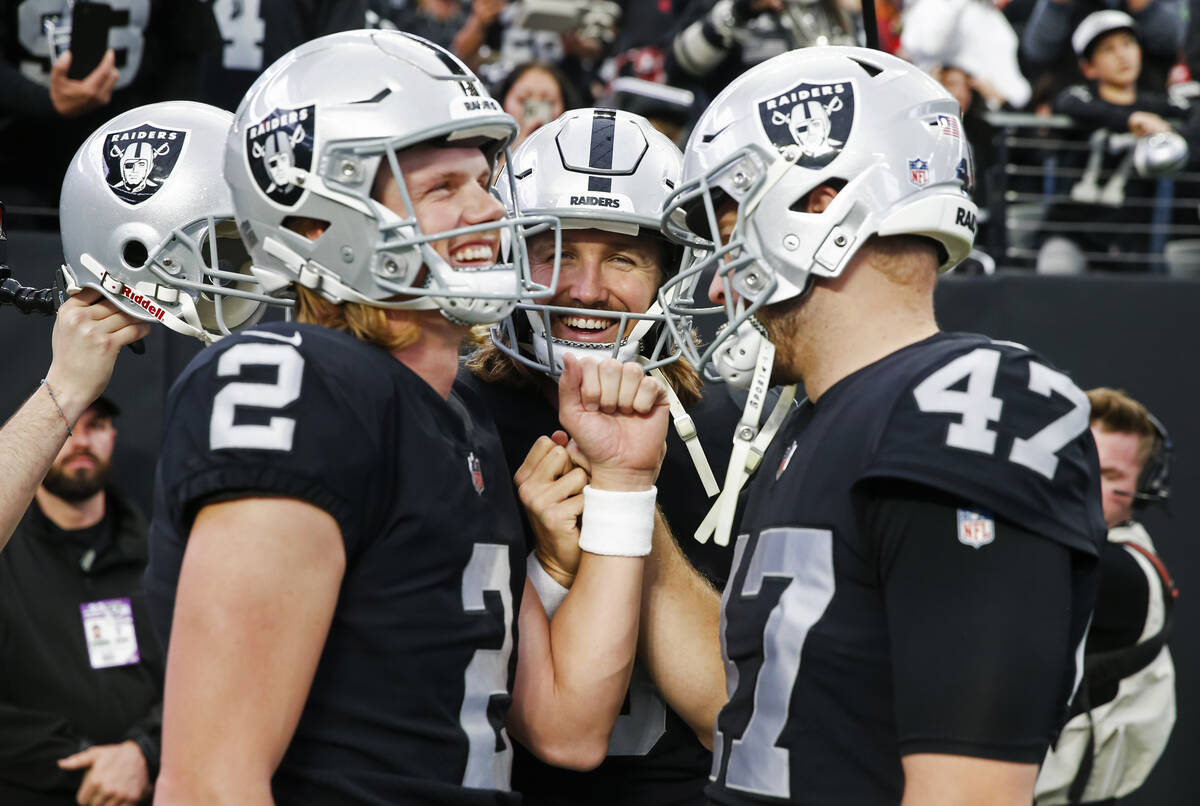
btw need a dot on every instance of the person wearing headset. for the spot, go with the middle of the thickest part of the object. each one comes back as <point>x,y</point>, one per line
<point>1125,707</point>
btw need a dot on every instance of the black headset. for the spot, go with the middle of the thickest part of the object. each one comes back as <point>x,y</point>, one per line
<point>1154,483</point>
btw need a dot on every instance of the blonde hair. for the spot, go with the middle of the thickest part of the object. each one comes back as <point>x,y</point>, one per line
<point>365,322</point>
<point>1115,411</point>
<point>490,365</point>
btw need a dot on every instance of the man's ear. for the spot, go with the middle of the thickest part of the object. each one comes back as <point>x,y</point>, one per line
<point>819,198</point>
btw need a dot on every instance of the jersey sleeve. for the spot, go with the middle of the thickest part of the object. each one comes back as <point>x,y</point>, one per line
<point>272,417</point>
<point>996,426</point>
<point>956,610</point>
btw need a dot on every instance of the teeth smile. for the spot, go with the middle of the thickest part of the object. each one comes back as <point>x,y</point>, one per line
<point>584,323</point>
<point>468,253</point>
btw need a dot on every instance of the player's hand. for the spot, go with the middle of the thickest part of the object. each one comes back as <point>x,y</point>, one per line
<point>89,331</point>
<point>617,415</point>
<point>1147,123</point>
<point>72,98</point>
<point>550,486</point>
<point>117,774</point>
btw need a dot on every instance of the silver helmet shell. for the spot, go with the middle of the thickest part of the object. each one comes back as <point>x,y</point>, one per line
<point>310,136</point>
<point>599,169</point>
<point>885,133</point>
<point>147,221</point>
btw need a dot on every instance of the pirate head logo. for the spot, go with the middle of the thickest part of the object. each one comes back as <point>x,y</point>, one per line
<point>965,173</point>
<point>814,117</point>
<point>280,153</point>
<point>138,161</point>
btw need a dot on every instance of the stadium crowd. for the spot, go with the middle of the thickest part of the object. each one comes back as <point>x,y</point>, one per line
<point>550,496</point>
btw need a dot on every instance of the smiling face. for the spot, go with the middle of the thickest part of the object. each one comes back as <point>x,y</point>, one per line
<point>449,189</point>
<point>600,270</point>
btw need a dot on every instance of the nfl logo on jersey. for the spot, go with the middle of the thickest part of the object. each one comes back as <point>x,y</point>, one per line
<point>975,529</point>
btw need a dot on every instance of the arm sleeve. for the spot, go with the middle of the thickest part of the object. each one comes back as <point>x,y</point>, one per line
<point>22,96</point>
<point>1046,34</point>
<point>147,734</point>
<point>981,635</point>
<point>1086,109</point>
<point>31,743</point>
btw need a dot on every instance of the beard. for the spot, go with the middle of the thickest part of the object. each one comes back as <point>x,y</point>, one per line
<point>79,484</point>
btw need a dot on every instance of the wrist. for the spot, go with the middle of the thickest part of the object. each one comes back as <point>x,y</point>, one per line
<point>69,405</point>
<point>620,479</point>
<point>549,589</point>
<point>555,569</point>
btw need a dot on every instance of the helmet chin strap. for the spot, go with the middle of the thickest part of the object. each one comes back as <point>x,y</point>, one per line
<point>749,441</point>
<point>145,294</point>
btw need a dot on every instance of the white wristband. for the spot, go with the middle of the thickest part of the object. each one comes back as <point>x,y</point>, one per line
<point>548,590</point>
<point>619,524</point>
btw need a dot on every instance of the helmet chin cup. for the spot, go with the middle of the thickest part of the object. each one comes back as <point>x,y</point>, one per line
<point>735,354</point>
<point>550,352</point>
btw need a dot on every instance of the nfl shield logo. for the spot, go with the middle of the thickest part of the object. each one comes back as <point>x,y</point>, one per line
<point>787,458</point>
<point>975,529</point>
<point>279,150</point>
<point>918,172</point>
<point>138,161</point>
<point>476,472</point>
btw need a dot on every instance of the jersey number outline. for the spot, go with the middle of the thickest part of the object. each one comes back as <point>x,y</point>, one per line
<point>242,30</point>
<point>128,39</point>
<point>978,406</point>
<point>804,557</point>
<point>487,674</point>
<point>277,434</point>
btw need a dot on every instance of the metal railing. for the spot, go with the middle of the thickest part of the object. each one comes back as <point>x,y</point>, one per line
<point>1050,182</point>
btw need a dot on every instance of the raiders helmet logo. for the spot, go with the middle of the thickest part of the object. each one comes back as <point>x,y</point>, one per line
<point>814,117</point>
<point>138,161</point>
<point>280,153</point>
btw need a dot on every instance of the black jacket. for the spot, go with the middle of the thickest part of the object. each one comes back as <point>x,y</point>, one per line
<point>52,702</point>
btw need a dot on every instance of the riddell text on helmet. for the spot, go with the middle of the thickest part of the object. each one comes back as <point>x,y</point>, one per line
<point>151,309</point>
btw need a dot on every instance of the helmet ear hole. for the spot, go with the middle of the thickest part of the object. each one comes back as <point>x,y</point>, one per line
<point>134,254</point>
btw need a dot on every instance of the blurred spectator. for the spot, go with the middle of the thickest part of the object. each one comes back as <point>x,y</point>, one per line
<point>973,37</point>
<point>642,38</point>
<point>81,698</point>
<point>536,93</point>
<point>1045,38</point>
<point>254,35</point>
<point>715,43</point>
<point>1125,706</point>
<point>495,40</point>
<point>1116,112</point>
<point>438,21</point>
<point>157,50</point>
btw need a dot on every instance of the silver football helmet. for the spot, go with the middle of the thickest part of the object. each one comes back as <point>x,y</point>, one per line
<point>307,142</point>
<point>594,169</point>
<point>877,127</point>
<point>147,221</point>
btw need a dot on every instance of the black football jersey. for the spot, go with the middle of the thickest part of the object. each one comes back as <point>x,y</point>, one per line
<point>811,717</point>
<point>654,758</point>
<point>415,679</point>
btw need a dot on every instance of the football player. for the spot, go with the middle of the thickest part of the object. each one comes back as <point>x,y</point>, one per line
<point>336,552</point>
<point>917,561</point>
<point>605,174</point>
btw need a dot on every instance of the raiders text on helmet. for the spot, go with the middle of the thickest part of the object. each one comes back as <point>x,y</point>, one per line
<point>147,221</point>
<point>595,169</point>
<point>308,140</point>
<point>882,132</point>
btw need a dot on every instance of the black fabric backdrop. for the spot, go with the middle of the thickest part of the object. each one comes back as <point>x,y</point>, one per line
<point>1141,334</point>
